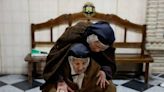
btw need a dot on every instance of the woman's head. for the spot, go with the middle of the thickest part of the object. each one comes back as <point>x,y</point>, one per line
<point>103,31</point>
<point>79,64</point>
<point>79,57</point>
<point>95,44</point>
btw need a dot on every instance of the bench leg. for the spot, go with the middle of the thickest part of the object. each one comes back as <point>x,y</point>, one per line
<point>30,68</point>
<point>146,73</point>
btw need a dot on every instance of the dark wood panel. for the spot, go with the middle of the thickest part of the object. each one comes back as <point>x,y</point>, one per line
<point>133,58</point>
<point>128,45</point>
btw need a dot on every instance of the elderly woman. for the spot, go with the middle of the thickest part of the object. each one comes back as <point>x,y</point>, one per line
<point>79,73</point>
<point>98,37</point>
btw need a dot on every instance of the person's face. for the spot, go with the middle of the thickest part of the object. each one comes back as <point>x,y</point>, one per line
<point>96,46</point>
<point>79,65</point>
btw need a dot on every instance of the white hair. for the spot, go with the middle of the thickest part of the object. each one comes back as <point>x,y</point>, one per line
<point>92,38</point>
<point>71,59</point>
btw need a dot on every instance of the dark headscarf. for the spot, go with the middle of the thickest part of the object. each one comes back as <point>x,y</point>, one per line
<point>79,50</point>
<point>103,30</point>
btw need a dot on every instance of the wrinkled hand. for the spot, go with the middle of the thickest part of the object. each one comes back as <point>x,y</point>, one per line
<point>102,79</point>
<point>63,87</point>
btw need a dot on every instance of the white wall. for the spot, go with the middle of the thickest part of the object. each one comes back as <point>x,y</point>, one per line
<point>14,35</point>
<point>0,34</point>
<point>17,15</point>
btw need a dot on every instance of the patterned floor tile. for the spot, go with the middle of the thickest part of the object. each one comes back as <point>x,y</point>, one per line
<point>40,80</point>
<point>155,89</point>
<point>120,82</point>
<point>125,89</point>
<point>137,85</point>
<point>161,84</point>
<point>155,74</point>
<point>37,89</point>
<point>25,85</point>
<point>10,79</point>
<point>154,81</point>
<point>2,84</point>
<point>19,83</point>
<point>1,75</point>
<point>9,88</point>
<point>162,76</point>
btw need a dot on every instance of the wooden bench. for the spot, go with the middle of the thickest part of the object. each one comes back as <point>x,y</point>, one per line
<point>141,57</point>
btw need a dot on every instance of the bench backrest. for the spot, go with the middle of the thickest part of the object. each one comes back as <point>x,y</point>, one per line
<point>111,18</point>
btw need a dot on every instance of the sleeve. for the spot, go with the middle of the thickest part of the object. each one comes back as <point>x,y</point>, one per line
<point>73,34</point>
<point>53,63</point>
<point>109,65</point>
<point>106,60</point>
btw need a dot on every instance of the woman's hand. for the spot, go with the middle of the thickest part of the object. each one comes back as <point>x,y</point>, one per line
<point>102,79</point>
<point>63,87</point>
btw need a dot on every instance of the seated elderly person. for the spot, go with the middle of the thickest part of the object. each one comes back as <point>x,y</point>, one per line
<point>79,73</point>
<point>97,37</point>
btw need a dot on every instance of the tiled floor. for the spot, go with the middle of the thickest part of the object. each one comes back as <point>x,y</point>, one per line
<point>19,83</point>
